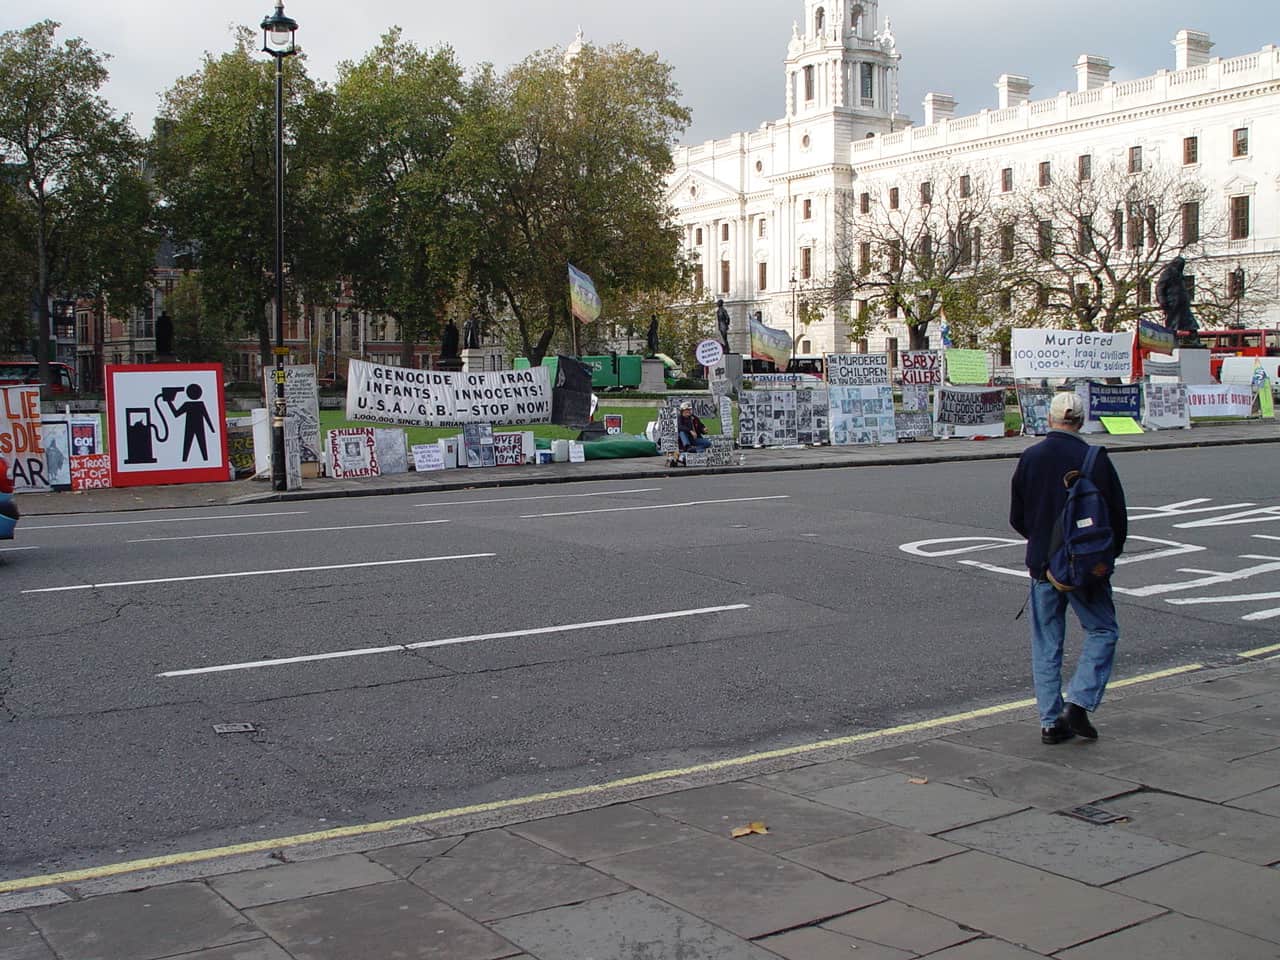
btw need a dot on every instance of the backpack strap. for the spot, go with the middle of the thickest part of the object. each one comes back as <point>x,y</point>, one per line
<point>1086,469</point>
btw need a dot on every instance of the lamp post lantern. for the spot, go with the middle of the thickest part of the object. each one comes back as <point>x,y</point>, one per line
<point>278,40</point>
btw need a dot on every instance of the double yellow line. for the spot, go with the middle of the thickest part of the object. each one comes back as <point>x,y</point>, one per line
<point>365,829</point>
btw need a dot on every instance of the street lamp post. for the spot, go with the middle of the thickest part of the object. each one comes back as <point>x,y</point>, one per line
<point>793,310</point>
<point>278,40</point>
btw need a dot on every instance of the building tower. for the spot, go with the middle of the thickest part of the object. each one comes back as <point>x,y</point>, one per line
<point>842,61</point>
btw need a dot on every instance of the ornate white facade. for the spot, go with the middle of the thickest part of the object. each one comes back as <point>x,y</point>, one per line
<point>759,208</point>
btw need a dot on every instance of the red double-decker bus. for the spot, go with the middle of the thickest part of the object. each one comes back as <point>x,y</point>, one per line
<point>1238,343</point>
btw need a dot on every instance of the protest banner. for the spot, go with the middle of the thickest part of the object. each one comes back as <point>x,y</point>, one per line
<point>1051,354</point>
<point>403,396</point>
<point>90,471</point>
<point>477,445</point>
<point>166,423</point>
<point>921,368</point>
<point>911,427</point>
<point>392,450</point>
<point>969,412</point>
<point>770,344</point>
<point>571,396</point>
<point>427,456</point>
<point>812,416</point>
<point>21,445</point>
<point>1164,406</point>
<point>719,454</point>
<point>302,401</point>
<point>857,369</point>
<point>1033,405</point>
<point>861,415</point>
<point>1227,400</point>
<point>916,397</point>
<point>1109,400</point>
<point>967,366</point>
<point>767,418</point>
<point>352,452</point>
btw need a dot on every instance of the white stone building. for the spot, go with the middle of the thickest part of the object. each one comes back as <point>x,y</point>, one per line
<point>761,208</point>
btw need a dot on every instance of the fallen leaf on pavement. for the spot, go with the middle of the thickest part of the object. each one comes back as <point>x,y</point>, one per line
<point>755,826</point>
<point>918,781</point>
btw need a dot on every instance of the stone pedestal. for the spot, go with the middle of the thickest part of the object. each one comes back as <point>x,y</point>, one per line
<point>483,359</point>
<point>1193,366</point>
<point>449,365</point>
<point>653,377</point>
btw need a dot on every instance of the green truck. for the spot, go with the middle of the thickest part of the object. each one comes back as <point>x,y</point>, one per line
<point>611,371</point>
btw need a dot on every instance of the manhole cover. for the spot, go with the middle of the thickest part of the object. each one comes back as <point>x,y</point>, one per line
<point>1094,814</point>
<point>234,728</point>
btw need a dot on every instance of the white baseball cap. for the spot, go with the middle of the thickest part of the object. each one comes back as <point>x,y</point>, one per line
<point>1067,407</point>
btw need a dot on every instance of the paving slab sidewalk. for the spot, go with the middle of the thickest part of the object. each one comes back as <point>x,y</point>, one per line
<point>954,845</point>
<point>754,461</point>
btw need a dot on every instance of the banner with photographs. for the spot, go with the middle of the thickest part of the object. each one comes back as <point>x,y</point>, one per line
<point>857,369</point>
<point>916,398</point>
<point>1109,400</point>
<point>403,396</point>
<point>969,412</point>
<point>767,418</point>
<point>1228,400</point>
<point>812,416</point>
<point>861,415</point>
<point>1033,404</point>
<point>912,427</point>
<point>477,445</point>
<point>1164,406</point>
<point>301,400</point>
<point>352,452</point>
<point>1050,354</point>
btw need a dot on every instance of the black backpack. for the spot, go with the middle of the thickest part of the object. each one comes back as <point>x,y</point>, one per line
<point>1082,545</point>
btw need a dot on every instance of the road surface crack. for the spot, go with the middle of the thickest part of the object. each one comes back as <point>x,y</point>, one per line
<point>6,681</point>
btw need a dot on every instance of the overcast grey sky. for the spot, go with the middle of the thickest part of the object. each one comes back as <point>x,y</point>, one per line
<point>727,55</point>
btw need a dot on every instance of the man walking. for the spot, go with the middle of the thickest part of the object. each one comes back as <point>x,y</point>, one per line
<point>1039,492</point>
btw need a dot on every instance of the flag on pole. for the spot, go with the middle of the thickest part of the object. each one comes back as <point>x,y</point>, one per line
<point>770,344</point>
<point>1155,337</point>
<point>584,301</point>
<point>1261,384</point>
<point>946,335</point>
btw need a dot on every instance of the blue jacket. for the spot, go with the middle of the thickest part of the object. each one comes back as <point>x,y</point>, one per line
<point>1038,493</point>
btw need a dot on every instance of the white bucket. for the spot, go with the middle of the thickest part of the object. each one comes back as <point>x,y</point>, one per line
<point>560,451</point>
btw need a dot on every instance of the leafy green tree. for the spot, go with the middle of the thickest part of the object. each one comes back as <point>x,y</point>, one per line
<point>214,156</point>
<point>17,266</point>
<point>392,184</point>
<point>75,166</point>
<point>565,160</point>
<point>197,337</point>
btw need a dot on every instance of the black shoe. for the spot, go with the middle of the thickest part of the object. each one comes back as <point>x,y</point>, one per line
<point>1058,733</point>
<point>1077,720</point>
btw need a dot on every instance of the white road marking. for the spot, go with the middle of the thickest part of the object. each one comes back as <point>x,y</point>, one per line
<point>16,549</point>
<point>548,496</point>
<point>1209,578</point>
<point>453,641</point>
<point>1259,515</point>
<point>258,573</point>
<point>917,548</point>
<point>1263,536</point>
<point>1237,598</point>
<point>1175,549</point>
<point>654,506</point>
<point>272,533</point>
<point>1181,508</point>
<point>124,523</point>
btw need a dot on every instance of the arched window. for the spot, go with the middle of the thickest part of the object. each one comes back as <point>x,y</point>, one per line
<point>819,21</point>
<point>855,17</point>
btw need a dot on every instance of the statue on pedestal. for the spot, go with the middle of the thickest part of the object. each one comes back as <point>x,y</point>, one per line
<point>651,338</point>
<point>1171,294</point>
<point>722,323</point>
<point>449,341</point>
<point>471,334</point>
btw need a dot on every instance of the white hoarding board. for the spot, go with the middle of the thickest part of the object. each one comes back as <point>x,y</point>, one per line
<point>407,397</point>
<point>1051,354</point>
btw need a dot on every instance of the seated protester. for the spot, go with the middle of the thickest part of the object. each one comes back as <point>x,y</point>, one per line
<point>693,435</point>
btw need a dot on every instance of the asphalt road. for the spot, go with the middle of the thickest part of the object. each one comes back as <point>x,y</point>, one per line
<point>829,626</point>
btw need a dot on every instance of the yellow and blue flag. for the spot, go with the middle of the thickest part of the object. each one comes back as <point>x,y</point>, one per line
<point>584,301</point>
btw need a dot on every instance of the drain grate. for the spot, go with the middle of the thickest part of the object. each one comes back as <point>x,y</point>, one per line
<point>1091,813</point>
<point>234,728</point>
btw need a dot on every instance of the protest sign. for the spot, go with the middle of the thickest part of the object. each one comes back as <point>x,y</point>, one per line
<point>90,471</point>
<point>767,418</point>
<point>1120,426</point>
<point>1227,400</point>
<point>407,397</point>
<point>477,445</point>
<point>862,415</point>
<point>719,454</point>
<point>513,449</point>
<point>21,445</point>
<point>709,352</point>
<point>451,450</point>
<point>427,456</point>
<point>1033,404</point>
<point>921,368</point>
<point>167,423</point>
<point>668,432</point>
<point>577,452</point>
<point>240,447</point>
<point>302,401</point>
<point>55,437</point>
<point>913,426</point>
<point>1164,406</point>
<point>969,412</point>
<point>1044,354</point>
<point>292,453</point>
<point>393,457</point>
<point>812,414</point>
<point>613,424</point>
<point>571,397</point>
<point>352,452</point>
<point>86,435</point>
<point>726,416</point>
<point>916,397</point>
<point>967,366</point>
<point>857,369</point>
<point>1109,400</point>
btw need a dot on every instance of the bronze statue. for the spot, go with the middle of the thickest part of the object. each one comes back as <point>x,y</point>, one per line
<point>722,322</point>
<point>1171,294</point>
<point>449,341</point>
<point>471,334</point>
<point>652,336</point>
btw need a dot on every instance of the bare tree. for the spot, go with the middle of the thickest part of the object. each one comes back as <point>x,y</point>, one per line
<point>916,249</point>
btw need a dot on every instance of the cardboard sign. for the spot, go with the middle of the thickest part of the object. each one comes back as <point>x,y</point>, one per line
<point>969,412</point>
<point>477,445</point>
<point>1044,354</point>
<point>352,452</point>
<point>302,401</point>
<point>613,424</point>
<point>1164,406</point>
<point>709,352</point>
<point>21,443</point>
<point>167,423</point>
<point>857,369</point>
<point>427,456</point>
<point>90,471</point>
<point>1033,404</point>
<point>1120,426</point>
<point>393,456</point>
<point>921,367</point>
<point>577,452</point>
<point>913,426</point>
<point>403,396</point>
<point>967,366</point>
<point>513,449</point>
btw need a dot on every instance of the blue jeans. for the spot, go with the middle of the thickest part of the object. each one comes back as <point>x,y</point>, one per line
<point>696,444</point>
<point>1097,615</point>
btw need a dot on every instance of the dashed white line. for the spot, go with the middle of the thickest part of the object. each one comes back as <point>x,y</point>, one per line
<point>271,533</point>
<point>125,523</point>
<point>258,573</point>
<point>655,506</point>
<point>548,496</point>
<point>453,641</point>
